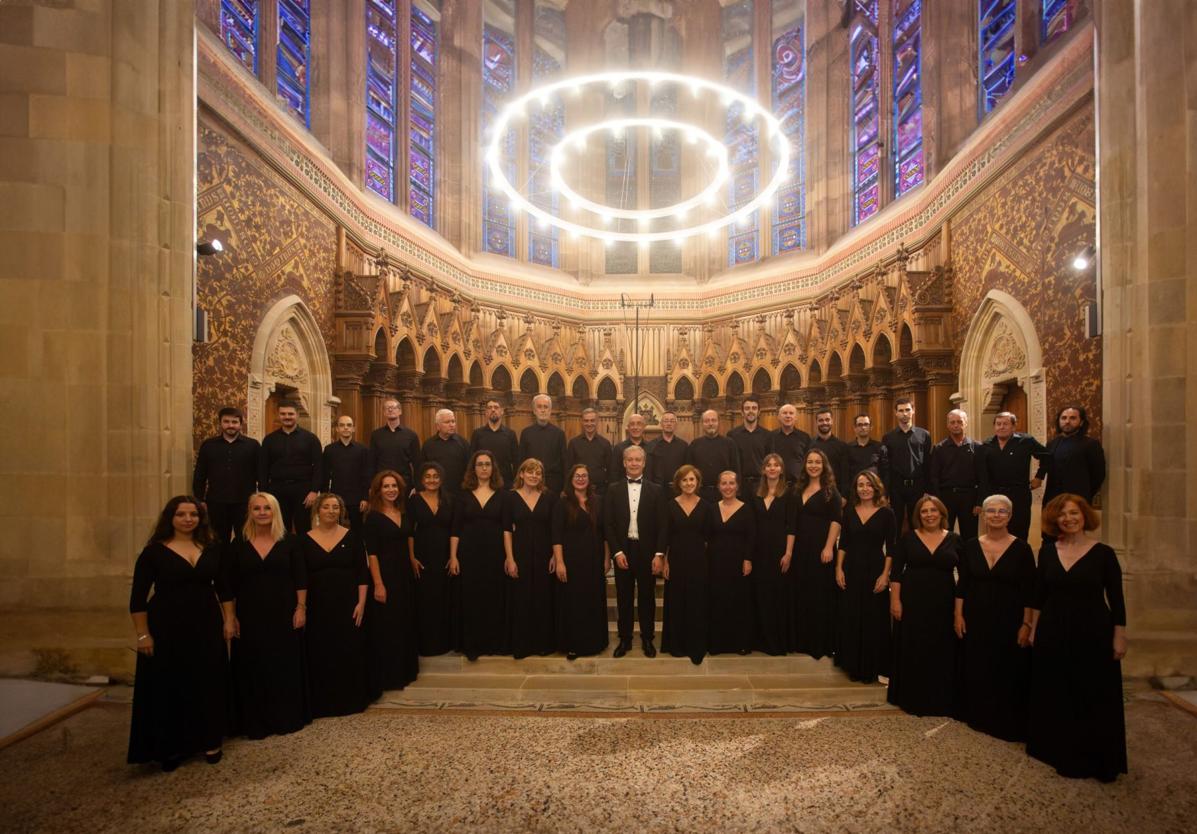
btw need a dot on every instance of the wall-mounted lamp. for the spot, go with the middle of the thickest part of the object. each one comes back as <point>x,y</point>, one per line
<point>1084,259</point>
<point>205,247</point>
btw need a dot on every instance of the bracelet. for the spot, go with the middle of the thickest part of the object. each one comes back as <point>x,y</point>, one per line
<point>141,637</point>
<point>299,605</point>
<point>1028,625</point>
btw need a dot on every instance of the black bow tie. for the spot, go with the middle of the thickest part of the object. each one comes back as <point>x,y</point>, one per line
<point>635,480</point>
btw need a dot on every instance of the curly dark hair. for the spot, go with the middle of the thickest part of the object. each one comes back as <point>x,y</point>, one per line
<point>826,479</point>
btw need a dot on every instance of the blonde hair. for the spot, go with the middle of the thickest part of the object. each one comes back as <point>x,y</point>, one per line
<point>529,465</point>
<point>277,529</point>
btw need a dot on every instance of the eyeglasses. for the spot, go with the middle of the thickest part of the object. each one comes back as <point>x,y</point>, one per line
<point>996,511</point>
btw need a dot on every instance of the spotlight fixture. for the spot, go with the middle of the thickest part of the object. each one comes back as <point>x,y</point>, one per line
<point>209,247</point>
<point>1084,258</point>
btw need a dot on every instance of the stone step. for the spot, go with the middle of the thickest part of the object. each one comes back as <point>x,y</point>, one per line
<point>633,663</point>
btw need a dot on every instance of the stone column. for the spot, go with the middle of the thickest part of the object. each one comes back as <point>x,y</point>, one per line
<point>97,225</point>
<point>1147,129</point>
<point>950,101</point>
<point>828,101</point>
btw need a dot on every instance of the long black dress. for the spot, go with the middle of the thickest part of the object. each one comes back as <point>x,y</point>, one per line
<point>995,672</point>
<point>270,679</point>
<point>863,643</point>
<point>814,581</point>
<point>483,583</point>
<point>772,591</point>
<point>730,605</point>
<point>530,616</point>
<point>179,694</point>
<point>922,678</point>
<point>435,597</point>
<point>582,599</point>
<point>392,644</point>
<point>336,647</point>
<point>1077,723</point>
<point>685,625</point>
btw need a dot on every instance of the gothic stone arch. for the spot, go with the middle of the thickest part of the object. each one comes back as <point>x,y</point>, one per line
<point>1001,344</point>
<point>290,351</point>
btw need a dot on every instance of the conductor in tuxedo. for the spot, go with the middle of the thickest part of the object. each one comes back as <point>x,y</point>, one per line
<point>633,518</point>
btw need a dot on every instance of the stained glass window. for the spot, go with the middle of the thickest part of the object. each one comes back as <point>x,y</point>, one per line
<point>239,30</point>
<point>789,105</point>
<point>1057,18</point>
<point>381,38</point>
<point>294,57</point>
<point>866,112</point>
<point>621,186</point>
<point>908,95</point>
<point>546,127</point>
<point>665,177</point>
<point>740,138</point>
<point>498,82</point>
<point>421,188</point>
<point>995,41</point>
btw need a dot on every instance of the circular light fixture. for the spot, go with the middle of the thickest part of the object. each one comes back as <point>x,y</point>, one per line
<point>729,97</point>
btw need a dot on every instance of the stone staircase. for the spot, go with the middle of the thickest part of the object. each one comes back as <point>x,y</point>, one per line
<point>635,683</point>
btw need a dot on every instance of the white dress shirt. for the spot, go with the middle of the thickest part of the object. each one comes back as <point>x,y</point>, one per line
<point>633,506</point>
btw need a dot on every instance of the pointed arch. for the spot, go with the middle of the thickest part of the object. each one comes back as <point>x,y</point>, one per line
<point>762,383</point>
<point>454,372</point>
<point>500,379</point>
<point>555,385</point>
<point>856,360</point>
<point>735,384</point>
<point>905,341</point>
<point>405,355</point>
<point>606,389</point>
<point>476,380</point>
<point>683,389</point>
<point>580,390</point>
<point>380,343</point>
<point>289,353</point>
<point>432,362</point>
<point>710,387</point>
<point>883,351</point>
<point>814,376</point>
<point>529,382</point>
<point>835,367</point>
<point>791,379</point>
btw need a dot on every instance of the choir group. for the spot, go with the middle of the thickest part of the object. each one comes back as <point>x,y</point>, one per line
<point>300,582</point>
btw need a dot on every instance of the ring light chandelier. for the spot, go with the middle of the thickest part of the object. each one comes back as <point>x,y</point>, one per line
<point>604,214</point>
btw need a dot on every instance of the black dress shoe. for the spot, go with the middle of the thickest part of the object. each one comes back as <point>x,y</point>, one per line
<point>622,648</point>
<point>214,758</point>
<point>571,655</point>
<point>171,764</point>
<point>745,651</point>
<point>649,649</point>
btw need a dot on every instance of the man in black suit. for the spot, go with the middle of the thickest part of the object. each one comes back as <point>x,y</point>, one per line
<point>226,474</point>
<point>906,452</point>
<point>633,517</point>
<point>291,467</point>
<point>1007,463</point>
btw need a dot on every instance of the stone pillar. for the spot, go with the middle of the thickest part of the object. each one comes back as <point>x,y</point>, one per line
<point>881,401</point>
<point>1147,129</point>
<point>950,100</point>
<point>97,223</point>
<point>828,101</point>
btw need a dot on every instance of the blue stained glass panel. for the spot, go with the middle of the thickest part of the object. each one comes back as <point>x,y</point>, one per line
<point>908,95</point>
<point>789,106</point>
<point>995,43</point>
<point>498,81</point>
<point>294,57</point>
<point>1056,18</point>
<point>239,30</point>
<point>741,139</point>
<point>864,48</point>
<point>421,180</point>
<point>381,38</point>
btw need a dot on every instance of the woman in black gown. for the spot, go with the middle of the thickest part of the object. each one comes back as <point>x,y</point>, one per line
<point>730,549</point>
<point>337,582</point>
<point>392,644</point>
<point>528,547</point>
<point>582,561</point>
<point>775,508</point>
<point>817,528</point>
<point>476,555</point>
<point>179,695</point>
<point>430,512</point>
<point>862,573</point>
<point>688,524</point>
<point>994,596</point>
<point>1079,635</point>
<point>270,580</point>
<point>922,594</point>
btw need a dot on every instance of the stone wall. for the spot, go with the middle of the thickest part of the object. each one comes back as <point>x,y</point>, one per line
<point>276,244</point>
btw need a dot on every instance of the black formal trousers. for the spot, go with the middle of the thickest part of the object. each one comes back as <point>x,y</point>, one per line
<point>710,492</point>
<point>748,487</point>
<point>290,495</point>
<point>1020,519</point>
<point>352,509</point>
<point>639,573</point>
<point>960,502</point>
<point>904,493</point>
<point>227,519</point>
